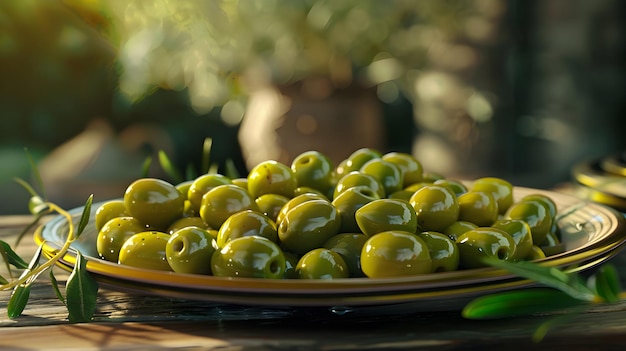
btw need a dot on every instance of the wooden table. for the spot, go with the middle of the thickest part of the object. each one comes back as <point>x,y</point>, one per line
<point>133,322</point>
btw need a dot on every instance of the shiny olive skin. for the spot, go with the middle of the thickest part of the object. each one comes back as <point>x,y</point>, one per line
<point>476,244</point>
<point>551,245</point>
<point>246,223</point>
<point>291,261</point>
<point>146,250</point>
<point>240,182</point>
<point>395,254</point>
<point>411,168</point>
<point>454,230</point>
<point>436,207</point>
<point>308,226</point>
<point>520,231</point>
<point>387,173</point>
<point>222,201</point>
<point>189,250</point>
<point>271,177</point>
<point>183,188</point>
<point>384,215</point>
<point>401,195</point>
<point>478,207</point>
<point>349,246</point>
<point>322,263</point>
<point>314,170</point>
<point>348,202</point>
<point>201,185</point>
<point>443,251</point>
<point>356,179</point>
<point>306,190</point>
<point>501,190</point>
<point>457,187</point>
<point>183,222</point>
<point>536,214</point>
<point>270,204</point>
<point>536,253</point>
<point>356,160</point>
<point>249,257</point>
<point>109,210</point>
<point>114,233</point>
<point>295,201</point>
<point>154,202</point>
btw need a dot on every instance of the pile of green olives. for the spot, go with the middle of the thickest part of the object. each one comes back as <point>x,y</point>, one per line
<point>373,215</point>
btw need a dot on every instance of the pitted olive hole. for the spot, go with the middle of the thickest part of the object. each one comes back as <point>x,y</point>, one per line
<point>305,160</point>
<point>502,253</point>
<point>366,192</point>
<point>178,246</point>
<point>274,267</point>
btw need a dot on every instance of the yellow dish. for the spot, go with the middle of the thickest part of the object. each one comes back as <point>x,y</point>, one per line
<point>591,234</point>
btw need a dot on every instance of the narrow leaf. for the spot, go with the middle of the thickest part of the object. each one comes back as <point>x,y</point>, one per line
<point>11,257</point>
<point>81,292</point>
<point>190,172</point>
<point>213,169</point>
<point>55,287</point>
<point>206,154</point>
<point>18,300</point>
<point>605,282</point>
<point>84,218</point>
<point>26,186</point>
<point>3,280</point>
<point>145,168</point>
<point>231,169</point>
<point>169,168</point>
<point>33,165</point>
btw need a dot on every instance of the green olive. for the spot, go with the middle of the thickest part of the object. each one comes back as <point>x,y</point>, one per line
<point>443,251</point>
<point>241,182</point>
<point>552,245</point>
<point>305,190</point>
<point>295,201</point>
<point>356,160</point>
<point>109,210</point>
<point>388,174</point>
<point>478,207</point>
<point>308,225</point>
<point>401,195</point>
<point>384,215</point>
<point>322,263</point>
<point>183,188</point>
<point>246,223</point>
<point>476,244</point>
<point>520,231</point>
<point>154,202</point>
<point>291,261</point>
<point>457,187</point>
<point>545,199</point>
<point>394,254</point>
<point>454,230</point>
<point>349,246</point>
<point>114,233</point>
<point>436,207</point>
<point>348,202</point>
<point>222,201</point>
<point>187,222</point>
<point>146,250</point>
<point>536,214</point>
<point>249,257</point>
<point>357,179</point>
<point>201,185</point>
<point>501,190</point>
<point>536,253</point>
<point>271,177</point>
<point>270,204</point>
<point>314,170</point>
<point>411,168</point>
<point>189,250</point>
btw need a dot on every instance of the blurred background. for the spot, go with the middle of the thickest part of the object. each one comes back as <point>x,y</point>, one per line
<point>519,89</point>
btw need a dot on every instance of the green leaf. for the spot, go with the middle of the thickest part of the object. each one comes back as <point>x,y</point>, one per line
<point>26,186</point>
<point>169,168</point>
<point>570,284</point>
<point>3,280</point>
<point>231,169</point>
<point>84,218</point>
<point>18,300</point>
<point>11,257</point>
<point>33,165</point>
<point>145,168</point>
<point>55,287</point>
<point>81,292</point>
<point>206,154</point>
<point>605,282</point>
<point>190,172</point>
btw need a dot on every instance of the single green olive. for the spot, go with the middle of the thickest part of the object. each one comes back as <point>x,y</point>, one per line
<point>545,199</point>
<point>443,251</point>
<point>478,207</point>
<point>457,187</point>
<point>249,257</point>
<point>154,202</point>
<point>356,160</point>
<point>520,231</point>
<point>536,214</point>
<point>454,230</point>
<point>313,169</point>
<point>357,179</point>
<point>384,215</point>
<point>183,222</point>
<point>476,244</point>
<point>401,195</point>
<point>536,253</point>
<point>271,177</point>
<point>411,168</point>
<point>201,185</point>
<point>388,174</point>
<point>270,204</point>
<point>322,263</point>
<point>240,182</point>
<point>501,190</point>
<point>114,233</point>
<point>348,202</point>
<point>109,210</point>
<point>308,225</point>
<point>349,246</point>
<point>436,207</point>
<point>246,223</point>
<point>222,201</point>
<point>295,201</point>
<point>146,250</point>
<point>189,250</point>
<point>183,188</point>
<point>395,253</point>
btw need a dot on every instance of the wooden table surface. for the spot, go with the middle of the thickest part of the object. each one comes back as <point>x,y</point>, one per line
<point>134,322</point>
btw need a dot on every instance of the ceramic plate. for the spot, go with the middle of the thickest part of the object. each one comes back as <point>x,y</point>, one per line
<point>591,234</point>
